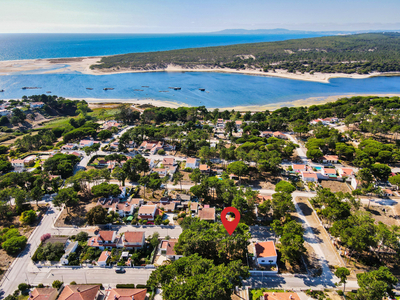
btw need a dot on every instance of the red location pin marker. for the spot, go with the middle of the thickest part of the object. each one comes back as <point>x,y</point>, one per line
<point>230,226</point>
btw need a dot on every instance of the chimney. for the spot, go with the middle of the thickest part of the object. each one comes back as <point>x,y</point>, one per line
<point>78,290</point>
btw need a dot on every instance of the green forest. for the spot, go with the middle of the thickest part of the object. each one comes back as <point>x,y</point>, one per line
<point>359,53</point>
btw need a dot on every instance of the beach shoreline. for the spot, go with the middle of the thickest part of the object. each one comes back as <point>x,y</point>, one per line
<point>253,108</point>
<point>82,65</point>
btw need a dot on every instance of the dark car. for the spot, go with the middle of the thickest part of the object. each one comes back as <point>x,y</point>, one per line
<point>120,270</point>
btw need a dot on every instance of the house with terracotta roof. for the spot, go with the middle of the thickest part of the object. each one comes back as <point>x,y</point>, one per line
<point>87,143</point>
<point>127,294</point>
<point>207,214</point>
<point>168,161</point>
<point>309,176</point>
<point>162,172</point>
<point>345,172</point>
<point>194,207</point>
<point>104,239</point>
<point>263,198</point>
<point>387,193</point>
<point>299,168</point>
<point>330,159</point>
<point>204,168</point>
<point>281,296</point>
<point>104,256</point>
<point>43,294</point>
<point>79,292</point>
<point>133,239</point>
<point>124,209</point>
<point>147,212</point>
<point>266,134</point>
<point>167,249</point>
<point>265,252</point>
<point>168,207</point>
<point>279,135</point>
<point>238,123</point>
<point>329,172</point>
<point>136,202</point>
<point>192,163</point>
<point>18,163</point>
<point>69,146</point>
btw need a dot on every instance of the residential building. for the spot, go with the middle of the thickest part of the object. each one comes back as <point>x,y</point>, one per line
<point>110,124</point>
<point>104,256</point>
<point>299,168</point>
<point>18,163</point>
<point>345,172</point>
<point>168,207</point>
<point>387,193</point>
<point>136,202</point>
<point>355,183</point>
<point>69,247</point>
<point>34,105</point>
<point>124,209</point>
<point>104,239</point>
<point>133,239</point>
<point>5,112</point>
<point>87,143</point>
<point>329,172</point>
<point>147,212</point>
<point>30,160</point>
<point>281,296</point>
<point>266,134</point>
<point>330,159</point>
<point>43,294</point>
<point>279,135</point>
<point>194,207</point>
<point>69,146</point>
<point>204,168</point>
<point>265,253</point>
<point>167,249</point>
<point>238,124</point>
<point>262,198</point>
<point>161,171</point>
<point>192,163</point>
<point>309,176</point>
<point>207,214</point>
<point>127,294</point>
<point>79,292</point>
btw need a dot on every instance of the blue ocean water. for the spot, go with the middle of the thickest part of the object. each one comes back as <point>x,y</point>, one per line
<point>33,46</point>
<point>222,90</point>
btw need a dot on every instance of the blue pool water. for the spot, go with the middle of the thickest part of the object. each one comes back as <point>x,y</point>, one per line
<point>222,90</point>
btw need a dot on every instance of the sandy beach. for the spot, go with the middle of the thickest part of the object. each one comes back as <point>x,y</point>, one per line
<point>82,65</point>
<point>272,106</point>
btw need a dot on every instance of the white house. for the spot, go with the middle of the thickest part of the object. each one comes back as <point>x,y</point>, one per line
<point>87,143</point>
<point>167,249</point>
<point>355,183</point>
<point>147,212</point>
<point>18,163</point>
<point>69,248</point>
<point>309,176</point>
<point>104,239</point>
<point>330,159</point>
<point>4,112</point>
<point>265,253</point>
<point>192,163</point>
<point>266,134</point>
<point>104,256</point>
<point>161,171</point>
<point>299,168</point>
<point>279,135</point>
<point>132,239</point>
<point>124,209</point>
<point>345,172</point>
<point>36,105</point>
<point>69,146</point>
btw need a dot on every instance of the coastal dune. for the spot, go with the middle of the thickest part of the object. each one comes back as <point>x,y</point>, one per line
<point>82,65</point>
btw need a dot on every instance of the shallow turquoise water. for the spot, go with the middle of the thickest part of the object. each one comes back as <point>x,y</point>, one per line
<point>222,90</point>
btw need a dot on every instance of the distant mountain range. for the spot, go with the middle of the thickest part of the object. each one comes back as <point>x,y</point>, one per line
<point>287,31</point>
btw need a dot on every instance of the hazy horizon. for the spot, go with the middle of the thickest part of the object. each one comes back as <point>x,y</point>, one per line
<point>178,16</point>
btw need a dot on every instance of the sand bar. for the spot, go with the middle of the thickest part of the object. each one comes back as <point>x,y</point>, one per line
<point>82,65</point>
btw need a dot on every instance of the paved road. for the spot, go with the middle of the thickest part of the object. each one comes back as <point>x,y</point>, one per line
<point>106,276</point>
<point>301,152</point>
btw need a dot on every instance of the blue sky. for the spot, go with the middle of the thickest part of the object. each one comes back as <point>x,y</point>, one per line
<point>173,16</point>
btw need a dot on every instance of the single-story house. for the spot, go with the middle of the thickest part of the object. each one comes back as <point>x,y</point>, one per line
<point>328,172</point>
<point>265,253</point>
<point>87,143</point>
<point>330,159</point>
<point>69,146</point>
<point>309,176</point>
<point>34,105</point>
<point>387,193</point>
<point>161,171</point>
<point>279,135</point>
<point>18,163</point>
<point>69,247</point>
<point>194,207</point>
<point>133,239</point>
<point>104,256</point>
<point>345,172</point>
<point>266,134</point>
<point>79,291</point>
<point>204,168</point>
<point>299,168</point>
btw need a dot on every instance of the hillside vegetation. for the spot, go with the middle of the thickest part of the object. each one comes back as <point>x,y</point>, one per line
<point>360,53</point>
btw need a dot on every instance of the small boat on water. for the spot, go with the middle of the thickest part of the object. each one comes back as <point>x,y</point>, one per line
<point>108,89</point>
<point>89,88</point>
<point>163,91</point>
<point>137,90</point>
<point>145,86</point>
<point>202,89</point>
<point>175,88</point>
<point>30,88</point>
<point>48,92</point>
<point>1,91</point>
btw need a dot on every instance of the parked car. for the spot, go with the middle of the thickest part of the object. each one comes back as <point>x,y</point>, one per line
<point>120,270</point>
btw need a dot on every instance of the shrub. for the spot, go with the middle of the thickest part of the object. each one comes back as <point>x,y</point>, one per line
<point>189,170</point>
<point>40,285</point>
<point>15,244</point>
<point>82,236</point>
<point>28,216</point>
<point>57,284</point>
<point>125,286</point>
<point>161,152</point>
<point>340,292</point>
<point>73,283</point>
<point>23,286</point>
<point>45,236</point>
